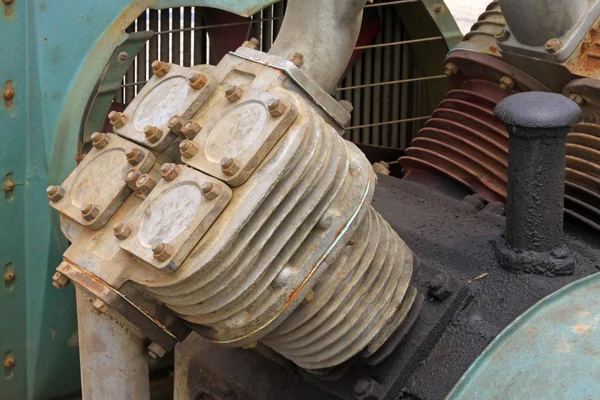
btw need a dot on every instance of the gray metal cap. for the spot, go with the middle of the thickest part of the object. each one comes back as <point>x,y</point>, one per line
<point>538,110</point>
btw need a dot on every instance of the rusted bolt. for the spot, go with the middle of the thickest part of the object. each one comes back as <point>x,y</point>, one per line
<point>9,185</point>
<point>8,94</point>
<point>251,44</point>
<point>502,35</point>
<point>55,193</point>
<point>276,107</point>
<point>169,171</point>
<point>190,129</point>
<point>296,58</point>
<point>123,56</point>
<point>89,212</point>
<point>122,230</point>
<point>187,148</point>
<point>233,93</point>
<point>352,240</point>
<point>9,361</point>
<point>152,133</point>
<point>450,69</point>
<point>197,80</point>
<point>309,297</point>
<point>155,350</point>
<point>162,251</point>
<point>506,82</point>
<point>160,68</point>
<point>100,306</point>
<point>145,183</point>
<point>438,8</point>
<point>59,280</point>
<point>134,156</point>
<point>99,140</point>
<point>175,123</point>
<point>9,277</point>
<point>131,177</point>
<point>577,98</point>
<point>210,190</point>
<point>229,166</point>
<point>553,46</point>
<point>117,119</point>
<point>347,106</point>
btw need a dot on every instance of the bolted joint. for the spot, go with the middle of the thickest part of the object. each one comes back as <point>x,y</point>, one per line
<point>160,68</point>
<point>190,129</point>
<point>152,133</point>
<point>55,193</point>
<point>229,166</point>
<point>197,80</point>
<point>251,44</point>
<point>175,123</point>
<point>89,212</point>
<point>99,140</point>
<point>450,69</point>
<point>100,306</point>
<point>156,351</point>
<point>122,230</point>
<point>553,46</point>
<point>131,178</point>
<point>506,82</point>
<point>169,171</point>
<point>187,148</point>
<point>117,119</point>
<point>162,251</point>
<point>59,280</point>
<point>135,156</point>
<point>297,59</point>
<point>276,107</point>
<point>233,93</point>
<point>145,184</point>
<point>210,190</point>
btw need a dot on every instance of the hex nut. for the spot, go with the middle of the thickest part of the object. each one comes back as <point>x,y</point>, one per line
<point>100,306</point>
<point>99,140</point>
<point>276,107</point>
<point>190,129</point>
<point>152,133</point>
<point>506,82</point>
<point>169,171</point>
<point>122,230</point>
<point>187,148</point>
<point>229,166</point>
<point>297,59</point>
<point>450,69</point>
<point>577,98</point>
<point>162,251</point>
<point>117,119</point>
<point>160,68</point>
<point>145,183</point>
<point>155,350</point>
<point>131,177</point>
<point>233,93</point>
<point>134,156</point>
<point>251,44</point>
<point>55,193</point>
<point>89,212</point>
<point>197,80</point>
<point>175,123</point>
<point>553,46</point>
<point>59,280</point>
<point>210,190</point>
<point>9,362</point>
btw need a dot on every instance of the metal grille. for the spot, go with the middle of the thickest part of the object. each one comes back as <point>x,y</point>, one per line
<point>385,84</point>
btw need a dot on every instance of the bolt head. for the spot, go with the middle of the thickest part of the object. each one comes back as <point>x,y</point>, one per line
<point>210,190</point>
<point>229,166</point>
<point>131,177</point>
<point>100,306</point>
<point>122,230</point>
<point>89,212</point>
<point>134,156</point>
<point>506,82</point>
<point>169,171</point>
<point>233,93</point>
<point>190,129</point>
<point>162,252</point>
<point>117,119</point>
<point>99,140</point>
<point>55,193</point>
<point>438,8</point>
<point>197,80</point>
<point>152,133</point>
<point>160,68</point>
<point>251,44</point>
<point>9,277</point>
<point>175,123</point>
<point>450,69</point>
<point>145,183</point>
<point>553,46</point>
<point>276,107</point>
<point>297,59</point>
<point>187,148</point>
<point>59,280</point>
<point>9,362</point>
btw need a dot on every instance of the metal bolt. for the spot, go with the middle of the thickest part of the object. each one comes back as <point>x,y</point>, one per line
<point>553,46</point>
<point>229,166</point>
<point>162,251</point>
<point>55,193</point>
<point>210,190</point>
<point>233,93</point>
<point>155,350</point>
<point>99,140</point>
<point>122,230</point>
<point>9,277</point>
<point>100,306</point>
<point>276,107</point>
<point>577,98</point>
<point>160,68</point>
<point>190,129</point>
<point>9,185</point>
<point>117,119</point>
<point>131,178</point>
<point>297,59</point>
<point>123,56</point>
<point>169,171</point>
<point>145,183</point>
<point>134,156</point>
<point>450,69</point>
<point>9,361</point>
<point>187,148</point>
<point>502,35</point>
<point>89,212</point>
<point>8,94</point>
<point>59,280</point>
<point>251,44</point>
<point>438,8</point>
<point>175,123</point>
<point>347,106</point>
<point>506,82</point>
<point>197,80</point>
<point>152,133</point>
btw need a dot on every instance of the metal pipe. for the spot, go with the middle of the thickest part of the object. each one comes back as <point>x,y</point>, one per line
<point>114,362</point>
<point>306,28</point>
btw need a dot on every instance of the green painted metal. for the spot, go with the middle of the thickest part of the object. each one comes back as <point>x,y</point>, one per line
<point>54,52</point>
<point>550,352</point>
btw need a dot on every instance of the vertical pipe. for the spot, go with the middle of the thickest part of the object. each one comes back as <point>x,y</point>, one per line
<point>142,64</point>
<point>176,38</point>
<point>388,26</point>
<point>113,360</point>
<point>187,37</point>
<point>199,38</point>
<point>165,38</point>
